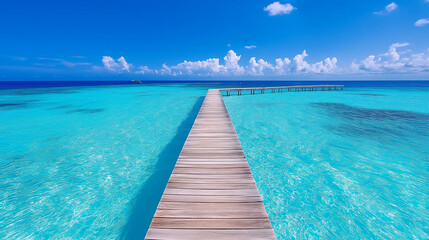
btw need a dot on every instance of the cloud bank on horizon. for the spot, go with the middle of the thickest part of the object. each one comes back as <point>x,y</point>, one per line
<point>390,62</point>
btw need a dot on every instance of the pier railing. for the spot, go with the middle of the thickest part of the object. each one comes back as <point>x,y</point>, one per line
<point>302,88</point>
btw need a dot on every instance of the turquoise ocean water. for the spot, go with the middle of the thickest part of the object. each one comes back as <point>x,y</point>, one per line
<point>91,162</point>
<point>339,165</point>
<point>88,162</point>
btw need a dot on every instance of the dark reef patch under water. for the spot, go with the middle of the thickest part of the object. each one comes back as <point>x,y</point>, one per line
<point>66,106</point>
<point>37,91</point>
<point>347,111</point>
<point>369,94</point>
<point>6,105</point>
<point>379,124</point>
<point>96,110</point>
<point>16,105</point>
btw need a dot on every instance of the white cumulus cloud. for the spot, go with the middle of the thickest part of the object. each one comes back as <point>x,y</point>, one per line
<point>231,66</point>
<point>144,70</point>
<point>388,9</point>
<point>250,46</point>
<point>231,63</point>
<point>300,65</point>
<point>119,65</point>
<point>390,62</point>
<point>276,8</point>
<point>257,67</point>
<point>210,65</point>
<point>391,7</point>
<point>422,22</point>
<point>285,66</point>
<point>393,62</point>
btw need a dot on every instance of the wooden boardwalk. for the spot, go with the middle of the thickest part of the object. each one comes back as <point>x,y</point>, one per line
<point>211,193</point>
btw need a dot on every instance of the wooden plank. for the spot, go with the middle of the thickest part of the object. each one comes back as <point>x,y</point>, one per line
<point>186,223</point>
<point>210,199</point>
<point>209,234</point>
<point>198,177</point>
<point>214,180</point>
<point>196,165</point>
<point>211,213</point>
<point>212,186</point>
<point>212,156</point>
<point>254,206</point>
<point>211,193</point>
<point>217,171</point>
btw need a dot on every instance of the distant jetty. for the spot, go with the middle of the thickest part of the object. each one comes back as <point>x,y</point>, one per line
<point>303,88</point>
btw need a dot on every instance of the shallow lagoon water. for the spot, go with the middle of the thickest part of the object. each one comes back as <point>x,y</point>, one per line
<point>88,162</point>
<point>339,165</point>
<point>92,162</point>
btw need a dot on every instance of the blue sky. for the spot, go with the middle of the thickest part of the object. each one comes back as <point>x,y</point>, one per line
<point>153,39</point>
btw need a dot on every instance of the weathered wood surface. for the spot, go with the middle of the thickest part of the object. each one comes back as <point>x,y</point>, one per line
<point>211,193</point>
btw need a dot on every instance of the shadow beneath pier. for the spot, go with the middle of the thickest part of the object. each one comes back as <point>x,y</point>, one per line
<point>146,201</point>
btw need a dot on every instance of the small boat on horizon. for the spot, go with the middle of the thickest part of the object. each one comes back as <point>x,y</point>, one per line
<point>136,81</point>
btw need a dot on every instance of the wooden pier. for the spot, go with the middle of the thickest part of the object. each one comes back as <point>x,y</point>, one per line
<point>303,88</point>
<point>211,193</point>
